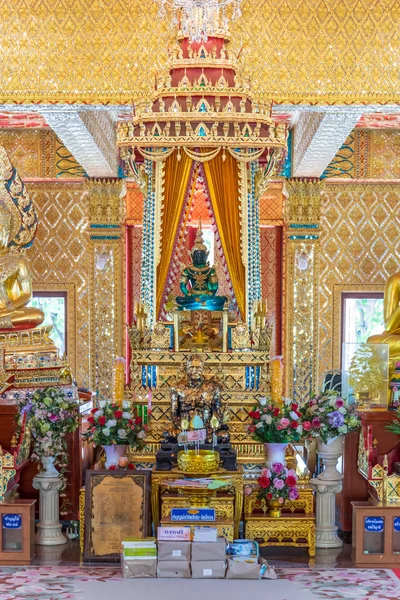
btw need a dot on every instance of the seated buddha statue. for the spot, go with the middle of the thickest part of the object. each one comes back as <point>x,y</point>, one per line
<point>391,315</point>
<point>199,283</point>
<point>15,284</point>
<point>196,402</point>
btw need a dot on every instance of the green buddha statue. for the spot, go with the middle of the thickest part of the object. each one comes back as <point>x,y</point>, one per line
<point>199,283</point>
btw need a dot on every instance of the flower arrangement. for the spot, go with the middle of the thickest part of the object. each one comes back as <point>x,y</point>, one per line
<point>128,467</point>
<point>51,413</point>
<point>276,424</point>
<point>328,415</point>
<point>277,483</point>
<point>111,424</point>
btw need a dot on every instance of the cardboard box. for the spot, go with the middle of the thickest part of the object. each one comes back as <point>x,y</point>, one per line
<point>173,534</point>
<point>174,568</point>
<point>134,569</point>
<point>205,534</point>
<point>174,551</point>
<point>209,569</point>
<point>243,569</point>
<point>209,550</point>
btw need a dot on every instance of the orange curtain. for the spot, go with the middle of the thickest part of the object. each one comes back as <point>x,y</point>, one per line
<point>223,186</point>
<point>177,180</point>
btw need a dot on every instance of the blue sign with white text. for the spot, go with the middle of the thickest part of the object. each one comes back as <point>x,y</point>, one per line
<point>11,521</point>
<point>374,524</point>
<point>396,523</point>
<point>192,514</point>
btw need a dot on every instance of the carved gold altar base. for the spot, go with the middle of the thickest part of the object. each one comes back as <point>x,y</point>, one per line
<point>159,479</point>
<point>30,360</point>
<point>288,530</point>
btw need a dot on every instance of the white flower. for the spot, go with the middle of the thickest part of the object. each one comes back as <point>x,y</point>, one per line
<point>262,401</point>
<point>122,434</point>
<point>126,415</point>
<point>126,404</point>
<point>332,402</point>
<point>111,423</point>
<point>342,410</point>
<point>141,435</point>
<point>102,403</point>
<point>299,429</point>
<point>287,401</point>
<point>106,431</point>
<point>343,429</point>
<point>267,419</point>
<point>99,413</point>
<point>294,415</point>
<point>259,425</point>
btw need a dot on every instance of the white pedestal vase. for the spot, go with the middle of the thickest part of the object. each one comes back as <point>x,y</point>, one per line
<point>326,529</point>
<point>330,454</point>
<point>49,483</point>
<point>113,454</point>
<point>275,453</point>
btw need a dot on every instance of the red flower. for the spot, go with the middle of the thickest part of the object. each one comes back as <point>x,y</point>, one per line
<point>307,425</point>
<point>295,406</point>
<point>118,414</point>
<point>291,481</point>
<point>131,466</point>
<point>264,482</point>
<point>94,410</point>
<point>130,421</point>
<point>254,414</point>
<point>276,412</point>
<point>279,427</point>
<point>90,419</point>
<point>112,468</point>
<point>145,427</point>
<point>251,429</point>
<point>316,422</point>
<point>294,424</point>
<point>269,496</point>
<point>102,421</point>
<point>138,420</point>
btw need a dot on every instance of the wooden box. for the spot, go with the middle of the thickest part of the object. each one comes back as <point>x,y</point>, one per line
<point>17,532</point>
<point>376,534</point>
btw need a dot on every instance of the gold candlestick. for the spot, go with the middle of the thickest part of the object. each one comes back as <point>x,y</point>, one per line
<point>119,380</point>
<point>276,380</point>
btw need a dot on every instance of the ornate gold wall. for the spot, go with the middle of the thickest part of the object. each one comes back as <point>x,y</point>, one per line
<point>104,50</point>
<point>39,153</point>
<point>359,250</point>
<point>59,258</point>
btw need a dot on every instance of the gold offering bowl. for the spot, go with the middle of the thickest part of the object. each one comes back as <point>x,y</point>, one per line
<point>198,497</point>
<point>203,462</point>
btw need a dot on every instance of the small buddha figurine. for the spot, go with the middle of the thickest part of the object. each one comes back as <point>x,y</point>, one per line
<point>15,284</point>
<point>391,316</point>
<point>196,402</point>
<point>201,293</point>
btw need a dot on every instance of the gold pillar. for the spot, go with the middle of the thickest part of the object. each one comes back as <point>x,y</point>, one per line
<point>107,295</point>
<point>302,230</point>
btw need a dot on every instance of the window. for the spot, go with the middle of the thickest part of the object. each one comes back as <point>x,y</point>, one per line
<point>362,316</point>
<point>54,306</point>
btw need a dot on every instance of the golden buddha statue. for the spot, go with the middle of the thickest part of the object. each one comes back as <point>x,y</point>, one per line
<point>15,284</point>
<point>196,402</point>
<point>391,316</point>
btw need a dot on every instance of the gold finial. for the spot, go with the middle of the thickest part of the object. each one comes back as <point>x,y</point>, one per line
<point>199,241</point>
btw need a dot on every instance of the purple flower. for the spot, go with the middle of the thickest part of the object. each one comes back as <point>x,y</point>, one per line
<point>335,419</point>
<point>339,402</point>
<point>277,467</point>
<point>53,418</point>
<point>293,493</point>
<point>278,483</point>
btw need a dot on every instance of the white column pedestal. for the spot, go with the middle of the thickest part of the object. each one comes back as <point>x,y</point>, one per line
<point>48,530</point>
<point>326,529</point>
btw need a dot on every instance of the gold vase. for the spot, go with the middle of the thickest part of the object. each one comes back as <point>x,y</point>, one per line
<point>198,497</point>
<point>203,462</point>
<point>274,508</point>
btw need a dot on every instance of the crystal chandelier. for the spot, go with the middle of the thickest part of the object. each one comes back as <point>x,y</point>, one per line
<point>200,19</point>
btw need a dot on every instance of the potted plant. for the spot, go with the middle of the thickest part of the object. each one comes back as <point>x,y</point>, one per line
<point>114,428</point>
<point>276,484</point>
<point>329,417</point>
<point>276,427</point>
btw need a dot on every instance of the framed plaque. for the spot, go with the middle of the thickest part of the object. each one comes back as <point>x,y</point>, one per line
<point>116,507</point>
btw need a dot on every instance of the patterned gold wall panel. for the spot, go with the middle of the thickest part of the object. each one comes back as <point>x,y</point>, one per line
<point>271,277</point>
<point>385,155</point>
<point>60,253</point>
<point>39,153</point>
<point>360,247</point>
<point>103,50</point>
